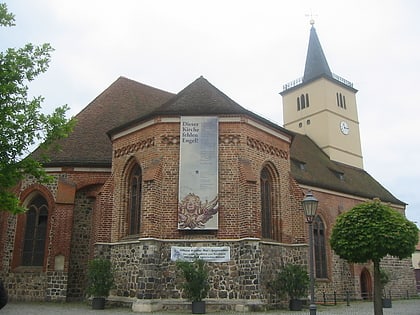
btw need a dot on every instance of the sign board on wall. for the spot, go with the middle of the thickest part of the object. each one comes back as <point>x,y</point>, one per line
<point>210,254</point>
<point>198,173</point>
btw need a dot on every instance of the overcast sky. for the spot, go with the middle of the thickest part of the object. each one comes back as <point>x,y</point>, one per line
<point>248,50</point>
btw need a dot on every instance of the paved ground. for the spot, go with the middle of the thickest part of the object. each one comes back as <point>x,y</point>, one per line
<point>402,307</point>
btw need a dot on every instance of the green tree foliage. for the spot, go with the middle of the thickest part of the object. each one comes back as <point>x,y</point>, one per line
<point>369,232</point>
<point>22,123</point>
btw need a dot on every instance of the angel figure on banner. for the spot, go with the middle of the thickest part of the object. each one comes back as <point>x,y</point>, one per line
<point>192,214</point>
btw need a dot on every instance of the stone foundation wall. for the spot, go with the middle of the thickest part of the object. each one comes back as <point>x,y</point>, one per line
<point>402,282</point>
<point>27,286</point>
<point>144,270</point>
<point>80,242</point>
<point>57,286</point>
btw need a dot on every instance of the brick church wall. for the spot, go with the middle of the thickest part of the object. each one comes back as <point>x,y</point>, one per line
<point>157,148</point>
<point>50,281</point>
<point>344,278</point>
<point>93,222</point>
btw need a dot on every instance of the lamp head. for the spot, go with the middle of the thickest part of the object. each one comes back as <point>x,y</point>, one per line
<point>310,205</point>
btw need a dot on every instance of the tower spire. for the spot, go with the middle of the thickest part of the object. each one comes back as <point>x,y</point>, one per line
<point>316,64</point>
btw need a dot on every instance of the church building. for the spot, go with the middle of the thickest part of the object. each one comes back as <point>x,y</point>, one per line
<point>148,177</point>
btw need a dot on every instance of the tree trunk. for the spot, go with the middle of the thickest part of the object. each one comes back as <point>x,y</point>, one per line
<point>377,289</point>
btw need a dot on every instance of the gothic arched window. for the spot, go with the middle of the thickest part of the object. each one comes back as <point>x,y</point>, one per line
<point>134,205</point>
<point>319,248</point>
<point>266,203</point>
<point>35,232</point>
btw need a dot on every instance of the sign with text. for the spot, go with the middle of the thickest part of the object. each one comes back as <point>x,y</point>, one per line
<point>198,173</point>
<point>209,254</point>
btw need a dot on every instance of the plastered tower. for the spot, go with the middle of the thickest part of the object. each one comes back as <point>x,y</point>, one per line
<point>323,106</point>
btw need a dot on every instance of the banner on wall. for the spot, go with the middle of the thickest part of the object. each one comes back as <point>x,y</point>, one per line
<point>209,254</point>
<point>198,173</point>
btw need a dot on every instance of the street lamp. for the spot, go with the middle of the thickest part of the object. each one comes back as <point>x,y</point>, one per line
<point>310,204</point>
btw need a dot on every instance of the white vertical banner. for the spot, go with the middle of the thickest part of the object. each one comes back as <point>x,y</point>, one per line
<point>198,173</point>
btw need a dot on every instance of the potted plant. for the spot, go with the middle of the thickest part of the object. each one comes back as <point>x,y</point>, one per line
<point>196,284</point>
<point>292,280</point>
<point>386,301</point>
<point>100,281</point>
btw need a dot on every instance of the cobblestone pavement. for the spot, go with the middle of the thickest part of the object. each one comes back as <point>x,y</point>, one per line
<point>402,307</point>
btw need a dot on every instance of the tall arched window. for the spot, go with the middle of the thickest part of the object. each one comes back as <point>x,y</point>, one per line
<point>319,248</point>
<point>134,207</point>
<point>266,203</point>
<point>35,232</point>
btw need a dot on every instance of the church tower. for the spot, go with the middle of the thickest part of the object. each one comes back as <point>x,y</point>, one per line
<point>322,106</point>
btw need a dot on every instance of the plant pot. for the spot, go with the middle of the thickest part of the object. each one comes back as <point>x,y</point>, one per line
<point>98,303</point>
<point>386,303</point>
<point>198,307</point>
<point>295,305</point>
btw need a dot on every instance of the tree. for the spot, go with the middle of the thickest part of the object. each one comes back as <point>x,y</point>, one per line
<point>369,232</point>
<point>22,123</point>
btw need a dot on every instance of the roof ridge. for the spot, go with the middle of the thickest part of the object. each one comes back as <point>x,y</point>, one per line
<point>193,86</point>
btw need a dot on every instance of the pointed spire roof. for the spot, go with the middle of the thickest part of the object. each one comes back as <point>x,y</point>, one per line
<point>316,64</point>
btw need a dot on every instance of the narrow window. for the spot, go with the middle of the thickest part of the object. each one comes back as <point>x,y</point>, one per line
<point>319,248</point>
<point>298,103</point>
<point>35,233</point>
<point>266,203</point>
<point>338,100</point>
<point>344,102</point>
<point>341,100</point>
<point>134,208</point>
<point>307,100</point>
<point>302,101</point>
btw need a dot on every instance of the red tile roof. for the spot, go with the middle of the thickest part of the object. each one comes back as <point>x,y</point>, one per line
<point>127,102</point>
<point>88,144</point>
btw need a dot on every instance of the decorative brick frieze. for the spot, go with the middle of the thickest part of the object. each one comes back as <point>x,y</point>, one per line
<point>134,147</point>
<point>170,139</point>
<point>227,139</point>
<point>266,148</point>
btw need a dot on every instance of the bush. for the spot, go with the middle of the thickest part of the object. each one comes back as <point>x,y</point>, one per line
<point>196,284</point>
<point>292,280</point>
<point>100,277</point>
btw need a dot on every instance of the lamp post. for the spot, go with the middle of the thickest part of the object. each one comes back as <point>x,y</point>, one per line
<point>310,205</point>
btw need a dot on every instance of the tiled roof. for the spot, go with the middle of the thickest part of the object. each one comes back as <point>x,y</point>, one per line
<point>311,166</point>
<point>115,108</point>
<point>198,99</point>
<point>88,144</point>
